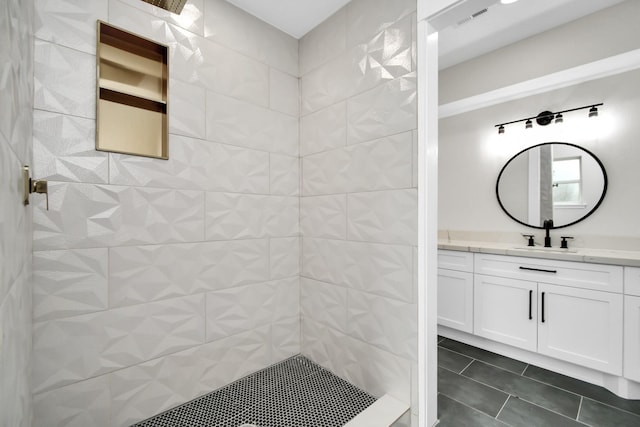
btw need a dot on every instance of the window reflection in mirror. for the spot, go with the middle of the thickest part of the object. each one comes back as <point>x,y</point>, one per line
<point>558,181</point>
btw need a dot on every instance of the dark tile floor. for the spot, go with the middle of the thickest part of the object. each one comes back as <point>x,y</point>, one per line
<point>479,388</point>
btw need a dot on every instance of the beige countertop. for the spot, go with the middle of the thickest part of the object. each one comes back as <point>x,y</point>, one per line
<point>597,256</point>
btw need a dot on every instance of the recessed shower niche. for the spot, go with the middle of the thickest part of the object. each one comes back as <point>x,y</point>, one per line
<point>131,111</point>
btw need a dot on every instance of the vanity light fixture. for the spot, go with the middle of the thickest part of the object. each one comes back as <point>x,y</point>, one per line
<point>546,117</point>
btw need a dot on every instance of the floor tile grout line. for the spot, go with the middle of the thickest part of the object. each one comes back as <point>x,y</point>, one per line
<point>579,408</point>
<point>502,407</point>
<point>475,381</point>
<point>471,407</point>
<point>617,408</point>
<point>480,360</point>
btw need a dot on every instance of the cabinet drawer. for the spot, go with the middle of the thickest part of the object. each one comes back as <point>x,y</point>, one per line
<point>455,260</point>
<point>598,277</point>
<point>632,281</point>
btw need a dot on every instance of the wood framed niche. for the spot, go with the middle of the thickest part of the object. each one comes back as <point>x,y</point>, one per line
<point>131,107</point>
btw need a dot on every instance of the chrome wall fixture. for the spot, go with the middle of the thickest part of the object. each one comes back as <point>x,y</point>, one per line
<point>546,117</point>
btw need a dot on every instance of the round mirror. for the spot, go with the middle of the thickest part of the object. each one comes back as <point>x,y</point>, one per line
<point>555,180</point>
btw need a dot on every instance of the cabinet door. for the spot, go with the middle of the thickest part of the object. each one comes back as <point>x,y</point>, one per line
<point>632,338</point>
<point>581,326</point>
<point>505,310</point>
<point>455,299</point>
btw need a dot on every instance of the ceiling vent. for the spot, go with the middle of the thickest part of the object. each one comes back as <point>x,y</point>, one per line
<point>472,17</point>
<point>174,6</point>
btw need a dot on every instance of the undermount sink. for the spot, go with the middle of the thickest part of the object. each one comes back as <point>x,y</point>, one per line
<point>543,249</point>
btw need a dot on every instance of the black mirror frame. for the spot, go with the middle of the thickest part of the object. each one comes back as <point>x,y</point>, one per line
<point>596,206</point>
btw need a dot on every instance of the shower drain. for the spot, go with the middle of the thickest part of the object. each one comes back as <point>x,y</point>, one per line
<point>248,425</point>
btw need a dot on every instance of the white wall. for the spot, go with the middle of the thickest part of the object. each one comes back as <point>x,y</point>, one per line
<point>359,199</point>
<point>158,281</point>
<point>16,127</point>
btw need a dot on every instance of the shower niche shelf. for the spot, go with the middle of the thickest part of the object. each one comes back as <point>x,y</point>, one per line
<point>131,110</point>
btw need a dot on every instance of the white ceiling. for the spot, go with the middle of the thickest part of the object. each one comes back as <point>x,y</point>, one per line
<point>294,17</point>
<point>502,25</point>
<point>499,26</point>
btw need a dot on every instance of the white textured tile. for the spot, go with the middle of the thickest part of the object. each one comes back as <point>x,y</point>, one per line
<point>386,110</point>
<point>83,215</point>
<point>15,228</point>
<point>83,404</point>
<point>65,80</point>
<point>375,165</point>
<point>387,323</point>
<point>16,83</point>
<point>229,359</point>
<point>285,339</point>
<point>191,17</point>
<point>137,18</point>
<point>187,109</point>
<point>240,309</point>
<point>284,257</point>
<point>140,274</point>
<point>286,299</point>
<point>326,346</point>
<point>368,17</point>
<point>229,73</point>
<point>328,84</point>
<point>15,353</point>
<point>196,164</point>
<point>381,269</point>
<point>284,175</point>
<point>386,56</point>
<point>323,130</point>
<point>324,303</point>
<point>324,216</point>
<point>376,371</point>
<point>324,42</point>
<point>238,30</point>
<point>70,23</point>
<point>238,216</point>
<point>65,150</point>
<point>152,387</point>
<point>113,339</point>
<point>284,93</point>
<point>383,216</point>
<point>16,129</point>
<point>69,282</point>
<point>235,122</point>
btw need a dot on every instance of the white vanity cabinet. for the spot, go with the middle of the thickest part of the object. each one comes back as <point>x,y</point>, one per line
<point>505,310</point>
<point>632,323</point>
<point>455,290</point>
<point>581,326</point>
<point>572,311</point>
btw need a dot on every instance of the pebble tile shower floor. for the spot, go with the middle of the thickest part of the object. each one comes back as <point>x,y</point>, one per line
<point>293,393</point>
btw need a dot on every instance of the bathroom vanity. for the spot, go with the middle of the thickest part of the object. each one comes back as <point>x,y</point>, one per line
<point>576,313</point>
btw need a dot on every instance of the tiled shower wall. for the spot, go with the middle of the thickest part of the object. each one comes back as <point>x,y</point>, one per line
<point>358,211</point>
<point>157,281</point>
<point>16,89</point>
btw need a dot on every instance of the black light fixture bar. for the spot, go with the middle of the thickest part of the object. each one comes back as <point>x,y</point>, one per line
<point>547,113</point>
